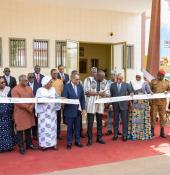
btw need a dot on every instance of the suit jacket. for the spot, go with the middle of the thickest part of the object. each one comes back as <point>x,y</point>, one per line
<point>66,78</point>
<point>125,90</point>
<point>12,82</point>
<point>71,110</point>
<point>38,85</point>
<point>35,87</point>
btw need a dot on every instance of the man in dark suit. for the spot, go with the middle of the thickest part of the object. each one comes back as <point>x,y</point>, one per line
<point>34,87</point>
<point>117,89</point>
<point>74,90</point>
<point>9,80</point>
<point>38,76</point>
<point>31,80</point>
<point>61,75</point>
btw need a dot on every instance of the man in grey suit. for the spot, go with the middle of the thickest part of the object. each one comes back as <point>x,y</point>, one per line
<point>120,88</point>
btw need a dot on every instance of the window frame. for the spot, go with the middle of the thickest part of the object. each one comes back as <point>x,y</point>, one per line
<point>15,38</point>
<point>132,61</point>
<point>61,41</point>
<point>48,50</point>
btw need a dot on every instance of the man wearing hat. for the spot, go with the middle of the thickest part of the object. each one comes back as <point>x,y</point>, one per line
<point>159,85</point>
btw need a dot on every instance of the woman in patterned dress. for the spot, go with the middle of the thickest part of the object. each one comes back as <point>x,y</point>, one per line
<point>7,135</point>
<point>47,115</point>
<point>139,126</point>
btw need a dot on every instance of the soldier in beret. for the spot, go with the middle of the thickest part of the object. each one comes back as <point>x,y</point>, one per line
<point>159,85</point>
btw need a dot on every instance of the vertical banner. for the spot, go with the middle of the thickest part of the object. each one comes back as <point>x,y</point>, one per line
<point>165,37</point>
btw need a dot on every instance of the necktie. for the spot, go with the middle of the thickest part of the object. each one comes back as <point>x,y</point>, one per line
<point>119,87</point>
<point>75,90</point>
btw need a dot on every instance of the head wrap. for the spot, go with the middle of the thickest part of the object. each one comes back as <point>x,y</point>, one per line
<point>140,74</point>
<point>45,80</point>
<point>138,84</point>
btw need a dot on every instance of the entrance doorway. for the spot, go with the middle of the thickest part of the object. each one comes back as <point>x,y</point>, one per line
<point>94,55</point>
<point>108,57</point>
<point>82,56</point>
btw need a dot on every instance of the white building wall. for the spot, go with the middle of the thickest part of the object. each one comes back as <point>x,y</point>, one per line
<point>35,20</point>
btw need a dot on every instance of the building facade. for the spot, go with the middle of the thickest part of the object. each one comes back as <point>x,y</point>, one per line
<point>34,32</point>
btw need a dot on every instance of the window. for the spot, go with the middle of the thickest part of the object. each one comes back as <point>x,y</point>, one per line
<point>83,66</point>
<point>0,52</point>
<point>61,52</point>
<point>40,53</point>
<point>17,52</point>
<point>81,51</point>
<point>130,56</point>
<point>95,62</point>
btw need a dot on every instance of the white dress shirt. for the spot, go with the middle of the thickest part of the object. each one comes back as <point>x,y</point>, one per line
<point>31,85</point>
<point>7,79</point>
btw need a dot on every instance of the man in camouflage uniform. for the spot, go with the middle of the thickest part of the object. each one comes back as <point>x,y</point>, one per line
<point>159,85</point>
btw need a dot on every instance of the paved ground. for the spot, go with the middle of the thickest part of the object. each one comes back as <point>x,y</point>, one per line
<point>156,165</point>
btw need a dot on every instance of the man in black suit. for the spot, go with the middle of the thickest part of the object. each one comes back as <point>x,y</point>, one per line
<point>61,75</point>
<point>117,89</point>
<point>34,87</point>
<point>9,80</point>
<point>38,76</point>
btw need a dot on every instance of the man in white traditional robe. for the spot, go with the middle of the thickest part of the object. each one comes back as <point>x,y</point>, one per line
<point>96,88</point>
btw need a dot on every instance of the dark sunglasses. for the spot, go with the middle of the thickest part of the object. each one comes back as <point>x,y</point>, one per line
<point>7,70</point>
<point>31,77</point>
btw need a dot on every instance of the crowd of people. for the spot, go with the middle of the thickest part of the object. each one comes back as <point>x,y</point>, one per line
<point>20,124</point>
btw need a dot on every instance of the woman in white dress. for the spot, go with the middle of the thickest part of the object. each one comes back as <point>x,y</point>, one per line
<point>47,115</point>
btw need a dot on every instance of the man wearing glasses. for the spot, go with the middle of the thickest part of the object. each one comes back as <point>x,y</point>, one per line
<point>9,80</point>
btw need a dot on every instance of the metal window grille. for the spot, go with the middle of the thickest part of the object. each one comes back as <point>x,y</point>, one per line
<point>0,52</point>
<point>95,62</point>
<point>17,49</point>
<point>130,56</point>
<point>61,52</point>
<point>40,53</point>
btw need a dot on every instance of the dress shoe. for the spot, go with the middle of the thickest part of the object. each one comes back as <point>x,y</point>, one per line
<point>162,133</point>
<point>115,138</point>
<point>79,145</point>
<point>124,139</point>
<point>108,133</point>
<point>22,151</point>
<point>100,141</point>
<point>31,147</point>
<point>69,146</point>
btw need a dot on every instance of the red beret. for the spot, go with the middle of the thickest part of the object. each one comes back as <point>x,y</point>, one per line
<point>161,72</point>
